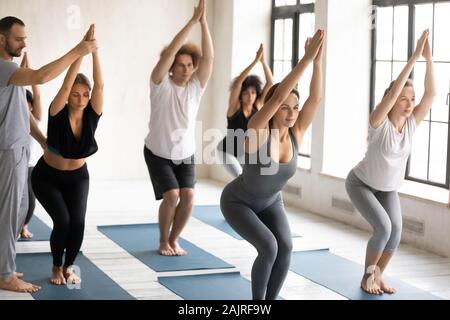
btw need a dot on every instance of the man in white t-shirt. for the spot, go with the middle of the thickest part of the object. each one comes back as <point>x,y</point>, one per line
<point>177,85</point>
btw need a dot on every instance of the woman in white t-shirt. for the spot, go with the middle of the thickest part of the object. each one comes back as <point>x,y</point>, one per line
<point>372,185</point>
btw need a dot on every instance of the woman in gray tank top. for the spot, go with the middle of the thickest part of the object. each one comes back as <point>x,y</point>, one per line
<point>252,203</point>
<point>372,185</point>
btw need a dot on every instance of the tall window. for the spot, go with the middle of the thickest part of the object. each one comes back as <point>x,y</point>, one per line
<point>293,21</point>
<point>399,23</point>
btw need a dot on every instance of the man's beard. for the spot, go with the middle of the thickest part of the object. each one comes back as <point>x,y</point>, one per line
<point>10,51</point>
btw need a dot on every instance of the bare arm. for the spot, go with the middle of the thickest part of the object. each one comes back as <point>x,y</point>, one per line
<point>25,63</point>
<point>26,77</point>
<point>422,109</point>
<point>37,104</point>
<point>97,92</point>
<point>62,96</point>
<point>261,119</point>
<point>36,132</point>
<point>205,65</point>
<point>168,56</point>
<point>309,110</point>
<point>382,110</point>
<point>234,103</point>
<point>269,80</point>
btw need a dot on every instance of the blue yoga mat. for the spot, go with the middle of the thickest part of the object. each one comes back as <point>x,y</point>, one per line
<point>344,277</point>
<point>95,285</point>
<point>221,286</point>
<point>142,241</point>
<point>39,229</point>
<point>213,216</point>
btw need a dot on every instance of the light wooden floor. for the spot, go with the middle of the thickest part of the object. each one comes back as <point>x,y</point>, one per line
<point>133,202</point>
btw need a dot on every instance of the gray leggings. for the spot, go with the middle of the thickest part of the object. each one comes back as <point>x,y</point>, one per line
<point>381,209</point>
<point>268,231</point>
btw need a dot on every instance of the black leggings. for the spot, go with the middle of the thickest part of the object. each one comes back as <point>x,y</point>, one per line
<point>31,198</point>
<point>64,195</point>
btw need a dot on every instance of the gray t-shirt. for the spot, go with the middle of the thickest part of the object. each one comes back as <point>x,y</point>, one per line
<point>14,117</point>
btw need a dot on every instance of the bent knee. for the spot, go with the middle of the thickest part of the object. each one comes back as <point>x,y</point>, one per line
<point>187,196</point>
<point>172,196</point>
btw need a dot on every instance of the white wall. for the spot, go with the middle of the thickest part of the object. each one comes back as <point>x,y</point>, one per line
<point>347,81</point>
<point>131,35</point>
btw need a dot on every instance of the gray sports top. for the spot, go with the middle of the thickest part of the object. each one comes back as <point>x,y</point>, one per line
<point>266,177</point>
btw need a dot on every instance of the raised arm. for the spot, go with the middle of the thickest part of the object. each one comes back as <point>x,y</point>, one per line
<point>97,92</point>
<point>206,62</point>
<point>37,104</point>
<point>62,96</point>
<point>27,77</point>
<point>422,109</point>
<point>382,110</point>
<point>168,56</point>
<point>261,119</point>
<point>36,133</point>
<point>309,110</point>
<point>24,63</point>
<point>234,103</point>
<point>269,79</point>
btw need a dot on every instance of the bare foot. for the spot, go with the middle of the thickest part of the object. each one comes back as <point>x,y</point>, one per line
<point>386,288</point>
<point>18,275</point>
<point>166,250</point>
<point>57,276</point>
<point>179,251</point>
<point>370,285</point>
<point>71,277</point>
<point>25,233</point>
<point>17,285</point>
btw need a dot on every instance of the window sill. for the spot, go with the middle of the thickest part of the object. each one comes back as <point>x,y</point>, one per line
<point>415,190</point>
<point>425,192</point>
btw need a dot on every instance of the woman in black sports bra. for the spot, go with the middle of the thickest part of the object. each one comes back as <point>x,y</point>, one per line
<point>60,179</point>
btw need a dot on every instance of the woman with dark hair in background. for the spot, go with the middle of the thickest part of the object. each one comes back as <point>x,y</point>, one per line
<point>35,106</point>
<point>246,98</point>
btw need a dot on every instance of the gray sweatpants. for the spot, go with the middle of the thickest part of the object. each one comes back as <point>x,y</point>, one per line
<point>381,209</point>
<point>13,204</point>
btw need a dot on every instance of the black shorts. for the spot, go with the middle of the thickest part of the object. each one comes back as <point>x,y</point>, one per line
<point>168,174</point>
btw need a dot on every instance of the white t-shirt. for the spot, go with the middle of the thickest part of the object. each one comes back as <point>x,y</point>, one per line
<point>383,167</point>
<point>173,115</point>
